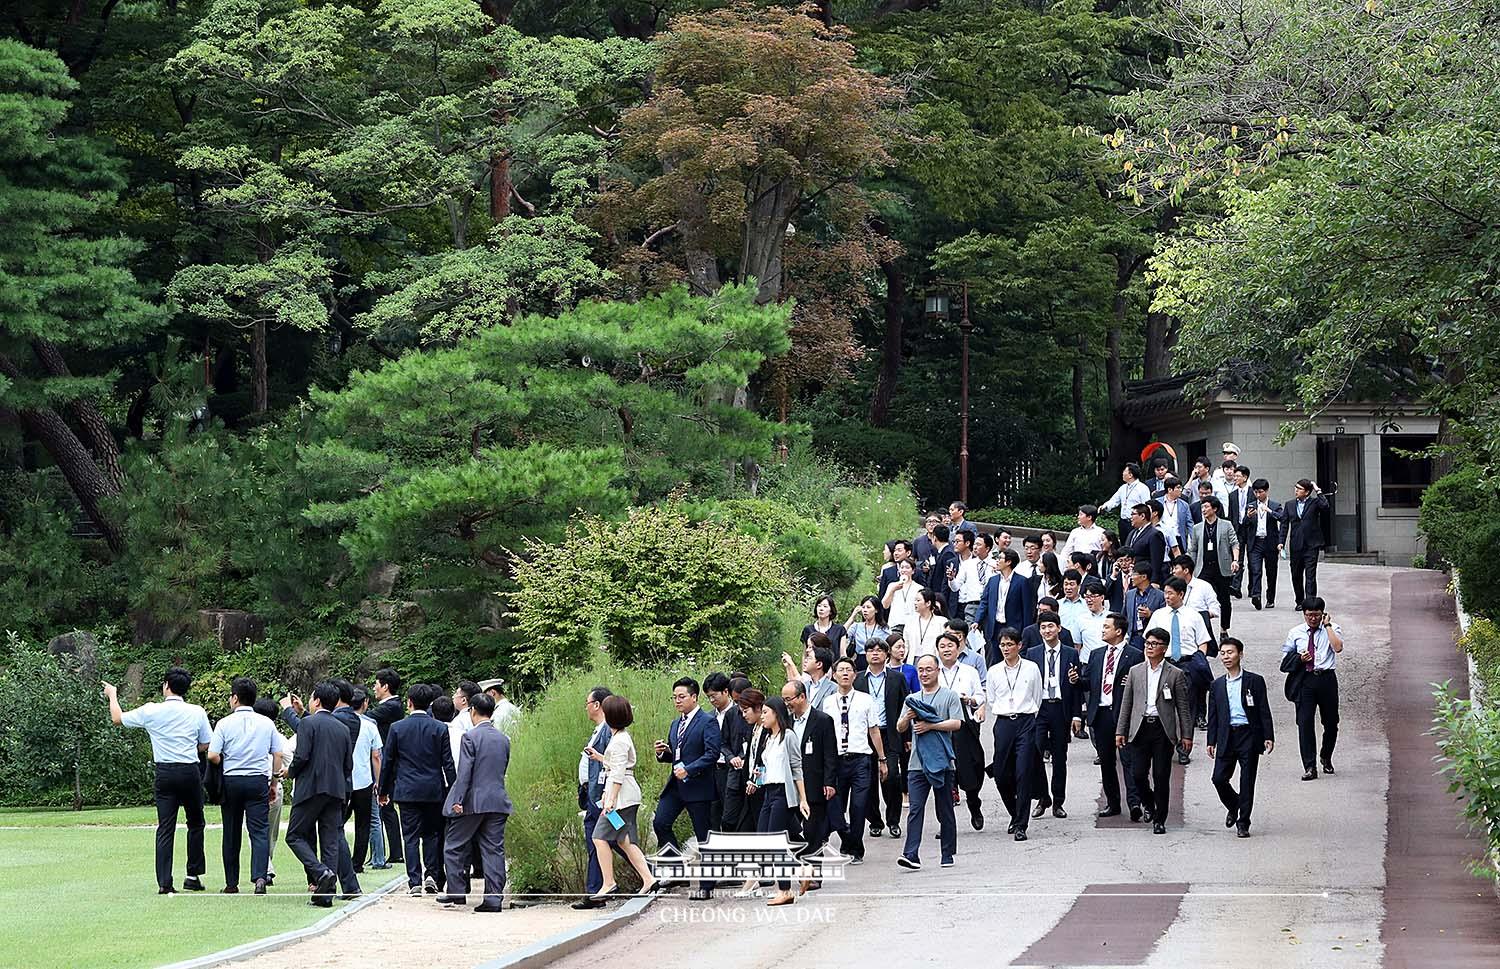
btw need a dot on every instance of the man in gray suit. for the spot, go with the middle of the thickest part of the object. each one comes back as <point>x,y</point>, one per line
<point>477,809</point>
<point>1155,717</point>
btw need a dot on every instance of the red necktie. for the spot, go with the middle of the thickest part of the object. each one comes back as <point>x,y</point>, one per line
<point>1109,671</point>
<point>1312,648</point>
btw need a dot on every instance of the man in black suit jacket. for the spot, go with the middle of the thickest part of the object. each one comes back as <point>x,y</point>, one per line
<point>1146,542</point>
<point>387,709</point>
<point>734,731</point>
<point>1061,701</point>
<point>1263,551</point>
<point>291,714</point>
<point>820,767</point>
<point>323,769</point>
<point>1032,634</point>
<point>888,688</point>
<point>1239,731</point>
<point>1102,682</point>
<point>416,772</point>
<point>1304,538</point>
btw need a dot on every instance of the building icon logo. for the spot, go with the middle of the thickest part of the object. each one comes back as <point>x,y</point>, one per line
<point>737,856</point>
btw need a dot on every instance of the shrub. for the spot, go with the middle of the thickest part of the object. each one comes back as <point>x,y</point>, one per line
<point>827,566</point>
<point>1469,739</point>
<point>1479,572</point>
<point>877,513</point>
<point>1024,519</point>
<point>1482,642</point>
<point>659,588</point>
<point>1453,508</point>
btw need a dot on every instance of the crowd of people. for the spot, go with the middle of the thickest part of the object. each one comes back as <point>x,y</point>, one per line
<point>1102,635</point>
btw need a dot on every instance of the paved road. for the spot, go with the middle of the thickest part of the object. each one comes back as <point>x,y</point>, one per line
<point>1306,890</point>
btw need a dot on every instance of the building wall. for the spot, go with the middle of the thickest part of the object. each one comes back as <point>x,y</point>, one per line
<point>1389,532</point>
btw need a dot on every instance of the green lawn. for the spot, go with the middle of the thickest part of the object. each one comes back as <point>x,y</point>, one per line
<point>74,895</point>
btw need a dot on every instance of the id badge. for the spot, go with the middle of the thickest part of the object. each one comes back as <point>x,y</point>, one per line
<point>1210,546</point>
<point>807,748</point>
<point>1166,693</point>
<point>1249,699</point>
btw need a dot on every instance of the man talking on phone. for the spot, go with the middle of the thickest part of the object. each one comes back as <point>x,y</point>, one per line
<point>692,748</point>
<point>1316,643</point>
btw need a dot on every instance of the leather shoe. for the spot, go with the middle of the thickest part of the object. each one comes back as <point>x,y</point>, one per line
<point>166,890</point>
<point>192,884</point>
<point>451,899</point>
<point>583,904</point>
<point>487,907</point>
<point>1255,601</point>
<point>1059,813</point>
<point>1158,828</point>
<point>895,831</point>
<point>876,831</point>
<point>1242,831</point>
<point>1327,767</point>
<point>1311,774</point>
<point>260,886</point>
<point>1136,813</point>
<point>1230,819</point>
<point>1020,835</point>
<point>321,901</point>
<point>1108,812</point>
<point>230,890</point>
<point>1040,809</point>
<point>1011,829</point>
<point>1270,604</point>
<point>976,819</point>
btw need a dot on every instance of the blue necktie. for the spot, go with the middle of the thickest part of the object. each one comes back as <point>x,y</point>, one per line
<point>1176,638</point>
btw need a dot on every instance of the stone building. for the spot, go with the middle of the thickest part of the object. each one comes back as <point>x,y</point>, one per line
<point>1352,450</point>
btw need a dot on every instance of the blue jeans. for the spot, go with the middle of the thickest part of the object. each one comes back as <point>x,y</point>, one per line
<point>919,786</point>
<point>377,841</point>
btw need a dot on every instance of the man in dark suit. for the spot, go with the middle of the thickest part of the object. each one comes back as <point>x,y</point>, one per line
<point>1031,636</point>
<point>477,808</point>
<point>1155,718</point>
<point>692,748</point>
<point>387,709</point>
<point>1061,701</point>
<point>1004,604</point>
<point>1141,600</point>
<point>1304,538</point>
<point>734,731</point>
<point>291,714</point>
<point>1239,731</point>
<point>1261,538</point>
<point>820,768</point>
<point>416,774</point>
<point>323,768</point>
<point>1105,675</point>
<point>887,687</point>
<point>1146,542</point>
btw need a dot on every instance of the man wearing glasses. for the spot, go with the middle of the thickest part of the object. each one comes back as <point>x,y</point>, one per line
<point>1310,654</point>
<point>692,748</point>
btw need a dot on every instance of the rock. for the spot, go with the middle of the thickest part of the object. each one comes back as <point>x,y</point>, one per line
<point>310,662</point>
<point>77,649</point>
<point>383,622</point>
<point>146,627</point>
<point>231,629</point>
<point>382,579</point>
<point>133,684</point>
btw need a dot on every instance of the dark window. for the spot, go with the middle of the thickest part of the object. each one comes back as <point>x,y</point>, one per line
<point>1194,451</point>
<point>1402,477</point>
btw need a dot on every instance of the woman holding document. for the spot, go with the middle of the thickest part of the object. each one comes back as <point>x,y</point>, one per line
<point>622,799</point>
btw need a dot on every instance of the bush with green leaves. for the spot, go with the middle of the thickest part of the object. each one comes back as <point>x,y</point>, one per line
<point>60,747</point>
<point>655,589</point>
<point>1017,518</point>
<point>1479,571</point>
<point>1453,508</point>
<point>1482,642</point>
<point>1469,739</point>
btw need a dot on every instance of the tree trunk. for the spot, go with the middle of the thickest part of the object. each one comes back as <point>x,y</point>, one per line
<point>1161,332</point>
<point>1080,416</point>
<point>90,485</point>
<point>890,345</point>
<point>1121,442</point>
<point>95,429</point>
<point>260,400</point>
<point>769,213</point>
<point>500,185</point>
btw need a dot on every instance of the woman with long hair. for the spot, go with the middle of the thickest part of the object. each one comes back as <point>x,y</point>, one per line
<point>622,800</point>
<point>781,785</point>
<point>824,621</point>
<point>864,625</point>
<point>925,627</point>
<point>1051,581</point>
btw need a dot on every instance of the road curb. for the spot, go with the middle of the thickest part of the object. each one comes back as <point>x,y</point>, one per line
<point>569,941</point>
<point>261,946</point>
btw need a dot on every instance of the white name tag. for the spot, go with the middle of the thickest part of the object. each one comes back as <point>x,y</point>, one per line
<point>1249,699</point>
<point>807,748</point>
<point>1210,546</point>
<point>1166,693</point>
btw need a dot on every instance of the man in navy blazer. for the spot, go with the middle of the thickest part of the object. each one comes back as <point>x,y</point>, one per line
<point>692,748</point>
<point>1141,600</point>
<point>416,771</point>
<point>477,808</point>
<point>1240,729</point>
<point>1303,537</point>
<point>1015,611</point>
<point>1100,712</point>
<point>1061,701</point>
<point>1264,551</point>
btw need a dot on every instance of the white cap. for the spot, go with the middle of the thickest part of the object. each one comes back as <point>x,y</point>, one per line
<point>1231,447</point>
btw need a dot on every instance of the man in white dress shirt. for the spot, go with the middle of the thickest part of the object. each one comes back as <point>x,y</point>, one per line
<point>1187,649</point>
<point>858,731</point>
<point>1132,492</point>
<point>1088,537</point>
<point>1317,643</point>
<point>249,750</point>
<point>1013,697</point>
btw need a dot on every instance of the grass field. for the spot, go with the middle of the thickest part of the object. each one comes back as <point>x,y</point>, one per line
<point>78,890</point>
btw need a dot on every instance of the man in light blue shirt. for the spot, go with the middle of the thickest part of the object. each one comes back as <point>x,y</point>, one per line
<point>367,748</point>
<point>179,733</point>
<point>1316,643</point>
<point>247,745</point>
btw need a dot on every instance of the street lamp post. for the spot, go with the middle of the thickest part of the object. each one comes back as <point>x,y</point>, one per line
<point>965,327</point>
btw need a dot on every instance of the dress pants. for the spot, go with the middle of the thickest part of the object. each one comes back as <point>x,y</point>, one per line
<point>1221,584</point>
<point>1012,765</point>
<point>888,790</point>
<point>1304,565</point>
<point>471,836</point>
<point>668,807</point>
<point>317,818</point>
<point>390,823</point>
<point>360,802</point>
<point>1319,696</point>
<point>422,825</point>
<point>813,831</point>
<point>1243,752</point>
<point>1113,761</point>
<point>178,786</point>
<point>246,806</point>
<point>921,787</point>
<point>1265,560</point>
<point>1051,733</point>
<point>1151,753</point>
<point>851,801</point>
<point>775,816</point>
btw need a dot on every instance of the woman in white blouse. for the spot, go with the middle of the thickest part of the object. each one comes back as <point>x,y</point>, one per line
<point>780,780</point>
<point>926,626</point>
<point>864,625</point>
<point>900,599</point>
<point>622,800</point>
